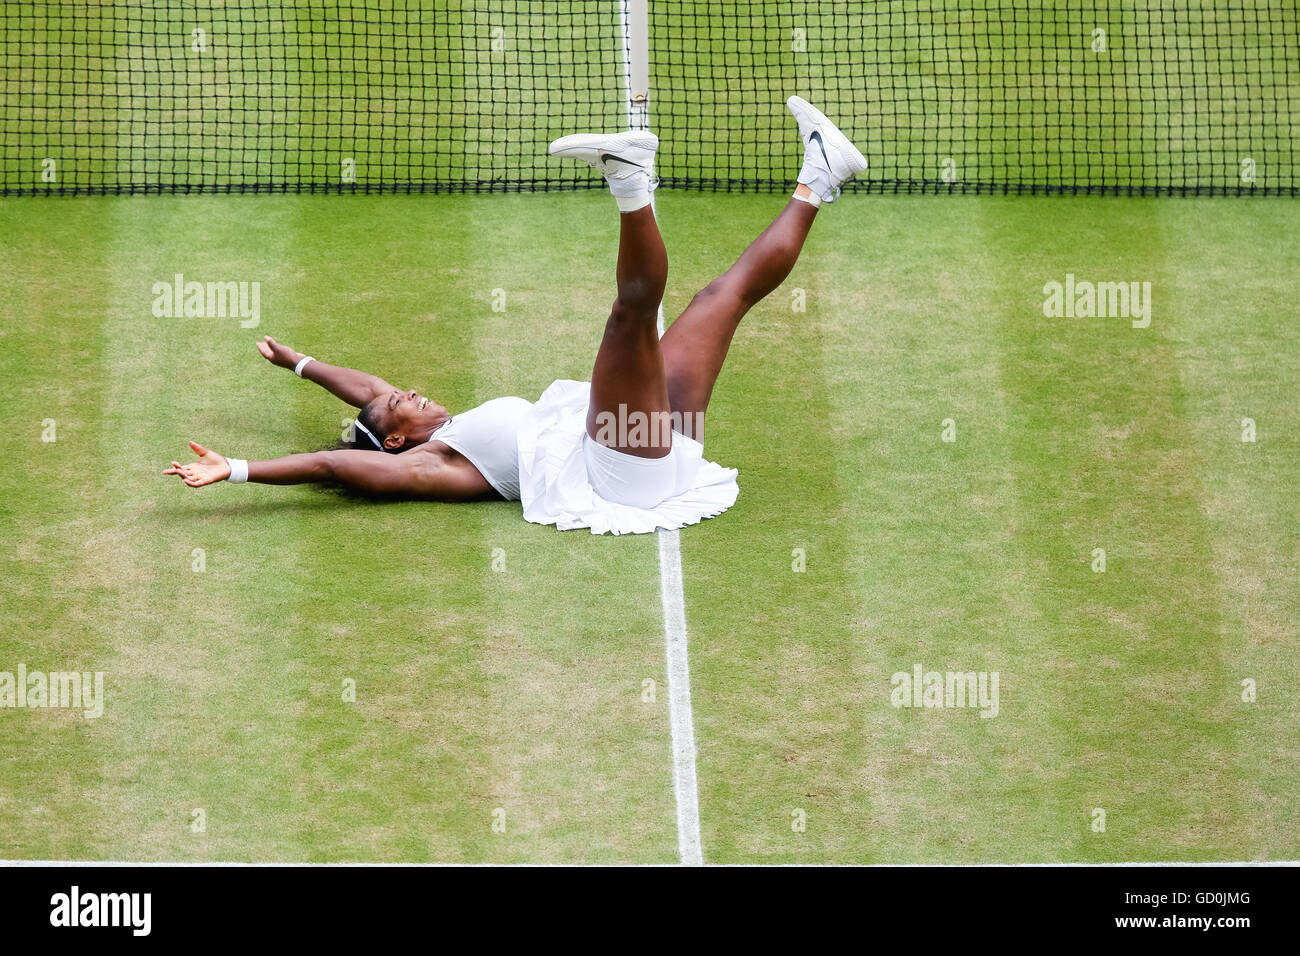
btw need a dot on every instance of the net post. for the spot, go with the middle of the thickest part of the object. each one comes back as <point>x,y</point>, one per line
<point>638,52</point>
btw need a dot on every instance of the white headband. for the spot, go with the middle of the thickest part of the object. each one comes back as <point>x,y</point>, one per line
<point>369,434</point>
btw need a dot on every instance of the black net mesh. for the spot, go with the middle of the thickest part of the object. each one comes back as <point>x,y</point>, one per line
<point>1172,96</point>
<point>1148,96</point>
<point>389,95</point>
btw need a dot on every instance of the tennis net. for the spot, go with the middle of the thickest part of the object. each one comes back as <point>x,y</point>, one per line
<point>1144,97</point>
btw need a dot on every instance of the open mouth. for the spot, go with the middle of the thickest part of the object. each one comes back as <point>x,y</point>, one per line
<point>423,401</point>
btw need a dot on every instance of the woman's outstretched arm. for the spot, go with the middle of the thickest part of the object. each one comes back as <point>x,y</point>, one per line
<point>354,387</point>
<point>418,473</point>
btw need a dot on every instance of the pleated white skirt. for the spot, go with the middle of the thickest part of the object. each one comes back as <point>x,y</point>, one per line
<point>555,488</point>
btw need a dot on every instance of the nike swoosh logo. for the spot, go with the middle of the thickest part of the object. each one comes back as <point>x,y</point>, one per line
<point>606,157</point>
<point>818,137</point>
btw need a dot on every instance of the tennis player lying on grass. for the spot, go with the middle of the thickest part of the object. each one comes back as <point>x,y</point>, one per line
<point>622,454</point>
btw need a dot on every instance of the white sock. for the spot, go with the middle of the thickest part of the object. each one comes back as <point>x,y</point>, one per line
<point>630,187</point>
<point>813,200</point>
<point>634,202</point>
<point>818,179</point>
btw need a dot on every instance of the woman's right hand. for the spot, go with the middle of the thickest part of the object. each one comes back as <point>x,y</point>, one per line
<point>278,354</point>
<point>209,469</point>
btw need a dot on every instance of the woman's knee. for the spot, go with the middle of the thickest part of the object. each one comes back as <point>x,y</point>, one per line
<point>632,315</point>
<point>725,292</point>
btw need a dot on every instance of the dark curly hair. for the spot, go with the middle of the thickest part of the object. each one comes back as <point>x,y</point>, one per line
<point>368,419</point>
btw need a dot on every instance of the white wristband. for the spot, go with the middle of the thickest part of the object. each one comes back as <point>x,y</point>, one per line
<point>238,470</point>
<point>302,362</point>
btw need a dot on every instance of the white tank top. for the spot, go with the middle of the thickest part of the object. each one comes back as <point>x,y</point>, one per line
<point>487,436</point>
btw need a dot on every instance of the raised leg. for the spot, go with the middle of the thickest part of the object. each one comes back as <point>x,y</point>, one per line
<point>671,381</point>
<point>628,379</point>
<point>695,346</point>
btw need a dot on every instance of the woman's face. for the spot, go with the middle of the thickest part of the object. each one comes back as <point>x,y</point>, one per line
<point>406,418</point>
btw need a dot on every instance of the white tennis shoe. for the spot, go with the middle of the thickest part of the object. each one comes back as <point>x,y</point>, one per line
<point>829,158</point>
<point>626,159</point>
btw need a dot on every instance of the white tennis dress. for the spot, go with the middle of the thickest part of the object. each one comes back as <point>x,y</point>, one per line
<point>539,453</point>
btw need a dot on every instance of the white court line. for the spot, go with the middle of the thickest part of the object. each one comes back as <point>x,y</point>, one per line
<point>679,700</point>
<point>681,718</point>
<point>680,714</point>
<point>686,788</point>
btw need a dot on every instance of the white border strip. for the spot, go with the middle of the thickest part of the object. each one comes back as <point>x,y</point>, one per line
<point>625,26</point>
<point>680,717</point>
<point>1254,864</point>
<point>633,16</point>
<point>634,19</point>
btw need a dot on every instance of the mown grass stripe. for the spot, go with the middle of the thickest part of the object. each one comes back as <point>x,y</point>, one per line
<point>1101,459</point>
<point>57,560</point>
